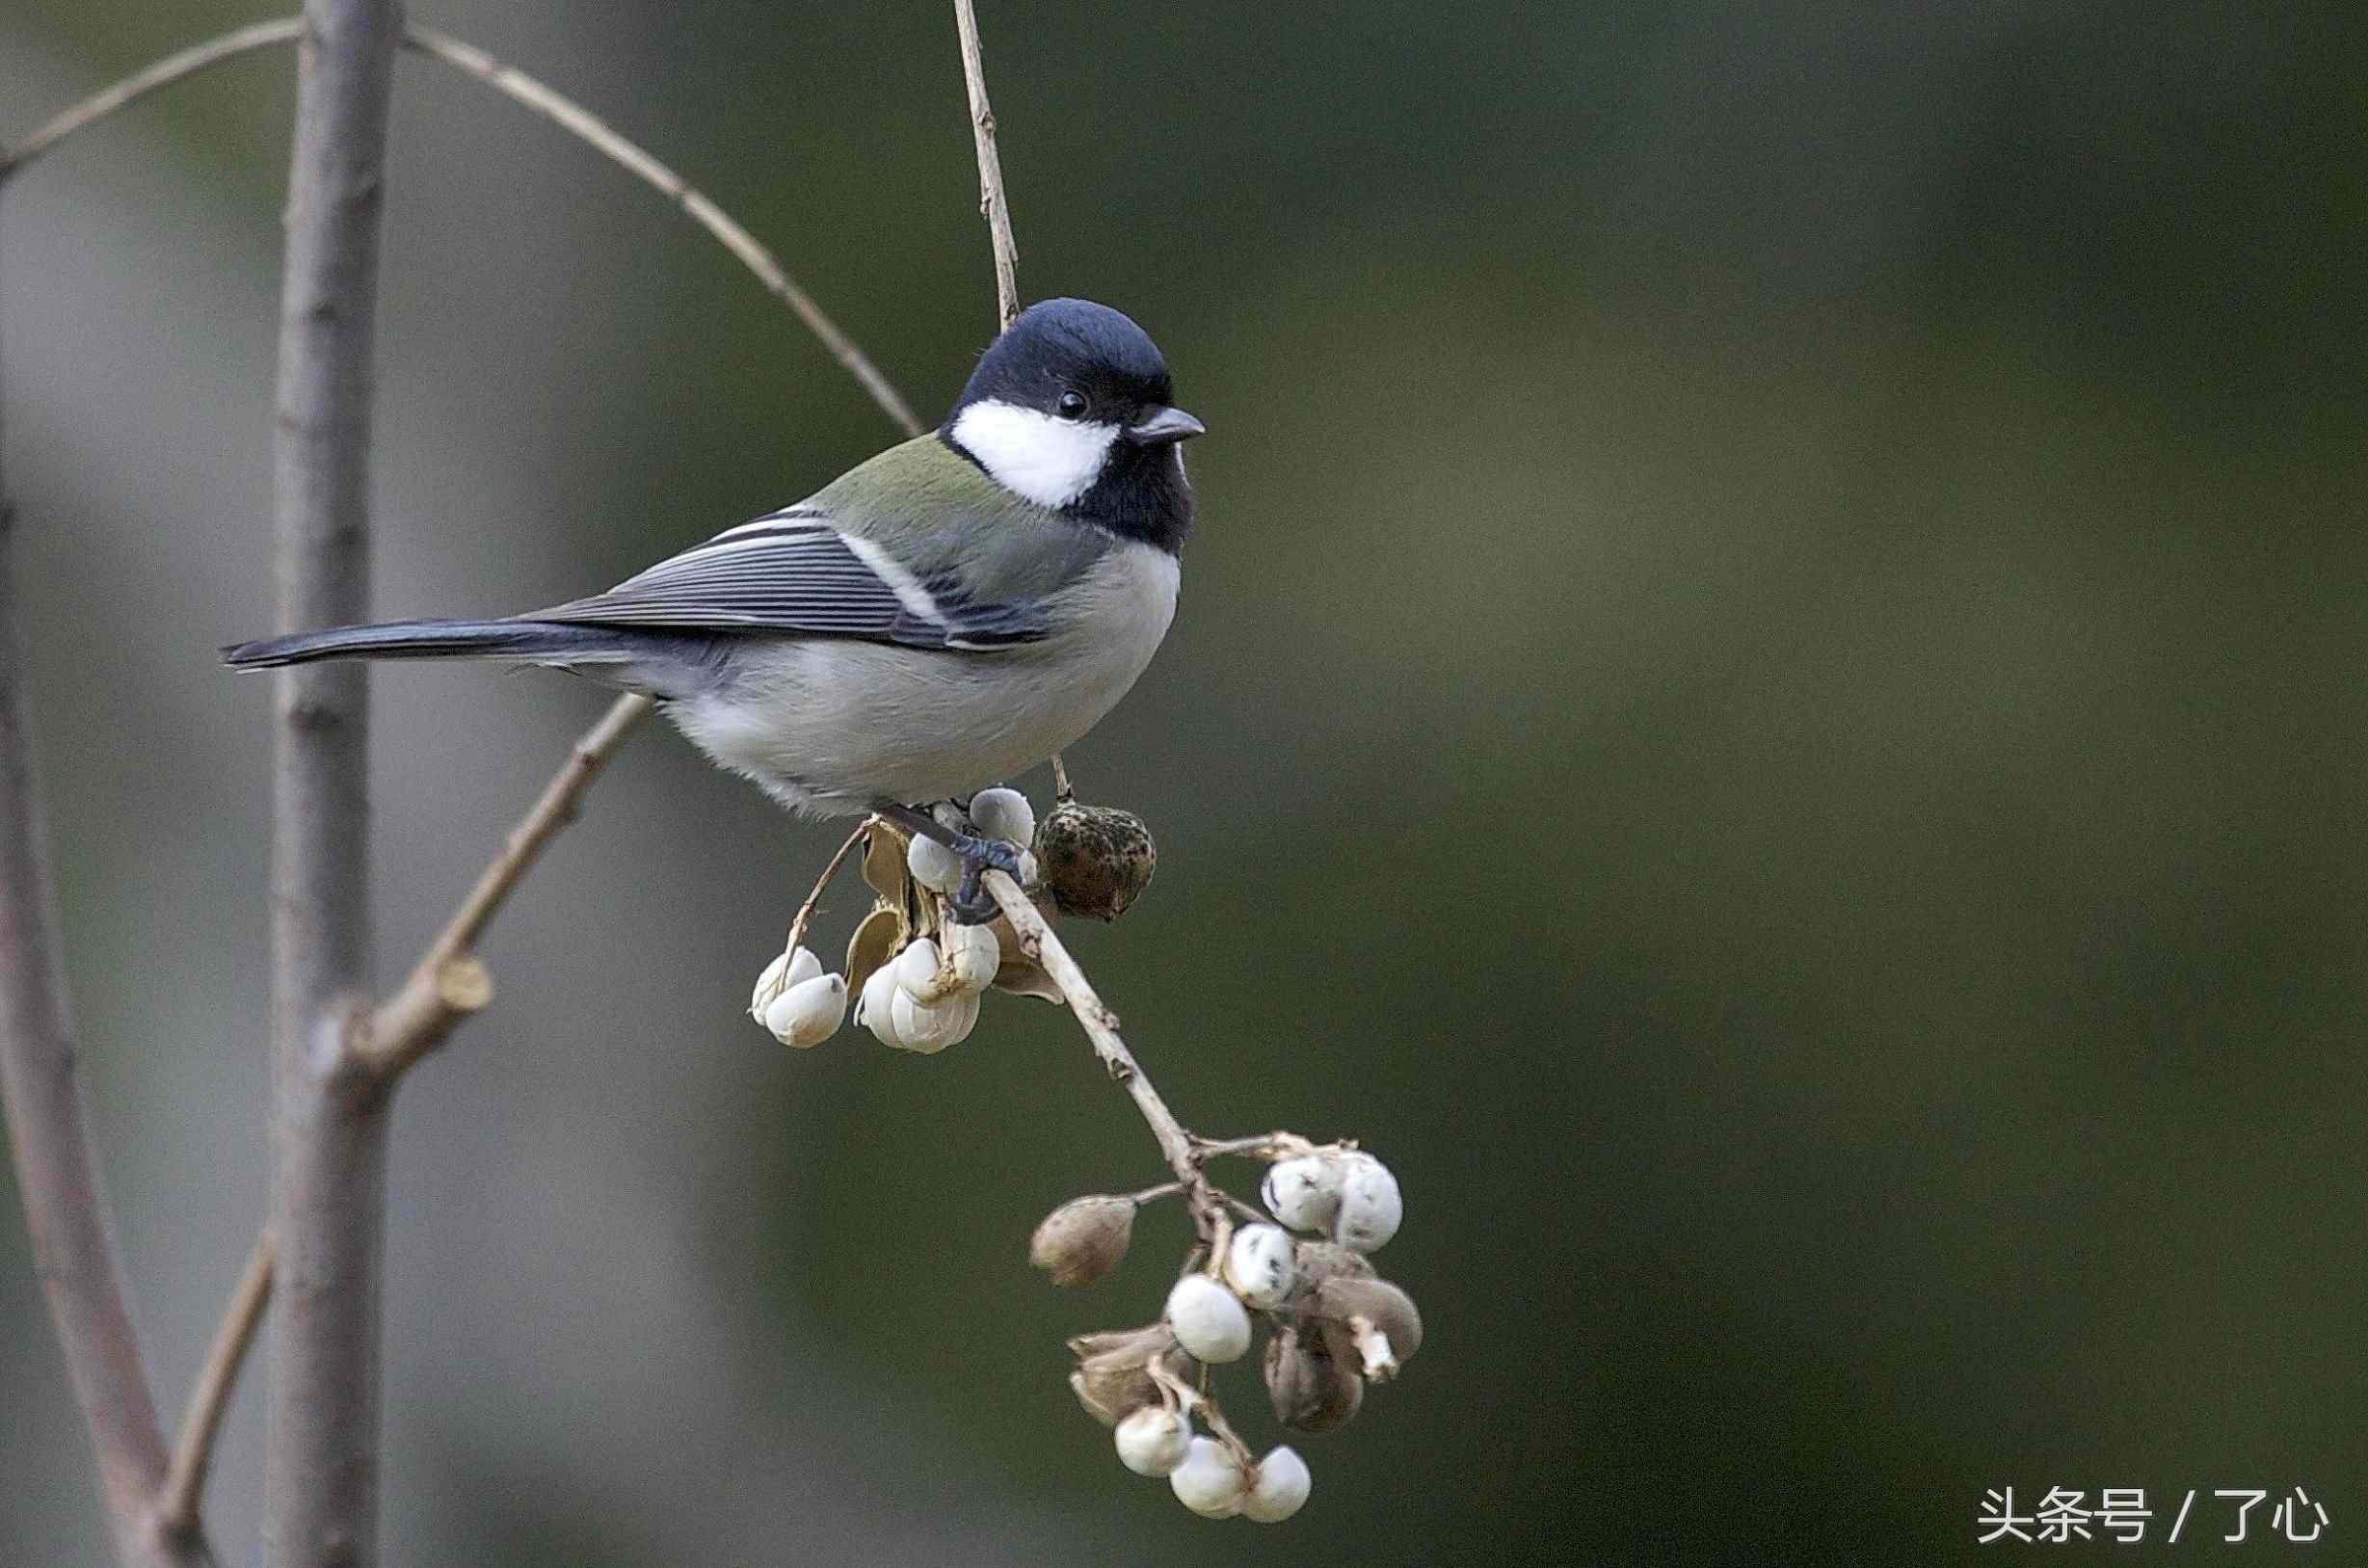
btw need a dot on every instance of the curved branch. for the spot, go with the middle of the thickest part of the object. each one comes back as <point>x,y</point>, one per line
<point>49,1135</point>
<point>568,113</point>
<point>171,68</point>
<point>521,88</point>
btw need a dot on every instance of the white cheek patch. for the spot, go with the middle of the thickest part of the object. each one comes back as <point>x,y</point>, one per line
<point>1049,460</point>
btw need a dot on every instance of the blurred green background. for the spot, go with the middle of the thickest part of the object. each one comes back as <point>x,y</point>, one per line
<point>1768,703</point>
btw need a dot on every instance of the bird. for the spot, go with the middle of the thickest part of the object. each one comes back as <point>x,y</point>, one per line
<point>947,614</point>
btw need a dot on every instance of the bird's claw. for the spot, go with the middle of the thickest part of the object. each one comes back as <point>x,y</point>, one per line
<point>971,903</point>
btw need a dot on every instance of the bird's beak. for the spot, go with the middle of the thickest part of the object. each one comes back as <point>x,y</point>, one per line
<point>1161,427</point>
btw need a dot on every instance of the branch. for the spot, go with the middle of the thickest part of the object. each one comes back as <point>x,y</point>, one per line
<point>145,81</point>
<point>48,1132</point>
<point>522,89</point>
<point>1100,1026</point>
<point>996,207</point>
<point>449,983</point>
<point>1027,922</point>
<point>330,1113</point>
<point>210,1400</point>
<point>572,115</point>
<point>992,204</point>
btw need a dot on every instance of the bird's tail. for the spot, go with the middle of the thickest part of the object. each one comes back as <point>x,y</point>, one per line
<point>540,642</point>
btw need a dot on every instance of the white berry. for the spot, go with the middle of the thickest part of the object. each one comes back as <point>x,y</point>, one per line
<point>810,1012</point>
<point>929,1027</point>
<point>933,866</point>
<point>1303,1193</point>
<point>916,967</point>
<point>1154,1441</point>
<point>785,971</point>
<point>1370,1207</point>
<point>974,954</point>
<point>877,1012</point>
<point>1209,1320</point>
<point>1005,815</point>
<point>1278,1489</point>
<point>1210,1482</point>
<point>1258,1264</point>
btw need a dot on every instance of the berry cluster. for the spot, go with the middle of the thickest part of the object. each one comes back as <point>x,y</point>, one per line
<point>1335,1325</point>
<point>917,973</point>
<point>1300,1261</point>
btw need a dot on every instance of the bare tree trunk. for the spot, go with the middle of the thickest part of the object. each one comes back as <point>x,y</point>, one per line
<point>49,1135</point>
<point>329,1110</point>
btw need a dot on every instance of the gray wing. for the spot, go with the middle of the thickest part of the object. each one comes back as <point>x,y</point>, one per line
<point>793,572</point>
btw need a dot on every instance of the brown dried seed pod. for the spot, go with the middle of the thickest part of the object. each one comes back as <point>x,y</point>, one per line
<point>1344,1299</point>
<point>1113,1379</point>
<point>1312,1390</point>
<point>1319,1260</point>
<point>1096,860</point>
<point>1084,1240</point>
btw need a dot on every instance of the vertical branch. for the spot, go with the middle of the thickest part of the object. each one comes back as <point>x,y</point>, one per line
<point>49,1135</point>
<point>992,204</point>
<point>330,1113</point>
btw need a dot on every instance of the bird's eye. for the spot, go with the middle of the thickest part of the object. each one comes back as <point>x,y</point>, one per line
<point>1073,404</point>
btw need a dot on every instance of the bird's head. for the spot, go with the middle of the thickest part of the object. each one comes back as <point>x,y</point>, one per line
<point>1071,409</point>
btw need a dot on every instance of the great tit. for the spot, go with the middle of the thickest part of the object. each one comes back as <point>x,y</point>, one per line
<point>949,612</point>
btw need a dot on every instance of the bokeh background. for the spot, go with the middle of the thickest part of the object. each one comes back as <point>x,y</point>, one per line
<point>1769,704</point>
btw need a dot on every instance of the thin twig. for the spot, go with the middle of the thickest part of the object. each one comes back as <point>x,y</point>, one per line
<point>176,1508</point>
<point>49,1135</point>
<point>1267,1146</point>
<point>449,983</point>
<point>992,204</point>
<point>566,112</point>
<point>813,898</point>
<point>147,79</point>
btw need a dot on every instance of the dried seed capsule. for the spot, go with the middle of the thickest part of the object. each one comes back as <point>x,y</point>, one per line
<point>1311,1389</point>
<point>877,1011</point>
<point>1209,1320</point>
<point>1279,1488</point>
<point>1084,1240</point>
<point>1210,1482</point>
<point>1304,1192</point>
<point>933,866</point>
<point>1113,1377</point>
<point>974,955</point>
<point>1319,1260</point>
<point>1154,1441</point>
<point>1097,860</point>
<point>1381,1321</point>
<point>1005,815</point>
<point>930,1027</point>
<point>1259,1264</point>
<point>1370,1207</point>
<point>810,1012</point>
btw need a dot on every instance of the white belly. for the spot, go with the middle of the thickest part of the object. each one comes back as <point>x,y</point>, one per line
<point>834,727</point>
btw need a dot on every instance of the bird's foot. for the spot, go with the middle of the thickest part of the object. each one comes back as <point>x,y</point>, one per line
<point>971,903</point>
